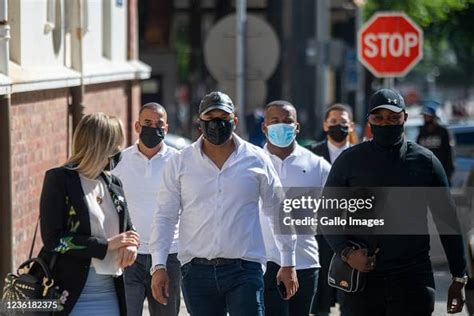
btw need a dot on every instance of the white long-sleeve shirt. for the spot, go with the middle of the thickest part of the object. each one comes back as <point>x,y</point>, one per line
<point>220,215</point>
<point>301,169</point>
<point>140,178</point>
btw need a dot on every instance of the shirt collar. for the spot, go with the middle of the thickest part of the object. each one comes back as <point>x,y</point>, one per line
<point>295,153</point>
<point>334,148</point>
<point>161,152</point>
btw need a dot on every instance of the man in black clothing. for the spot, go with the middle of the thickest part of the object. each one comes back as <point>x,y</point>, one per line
<point>399,274</point>
<point>436,138</point>
<point>337,125</point>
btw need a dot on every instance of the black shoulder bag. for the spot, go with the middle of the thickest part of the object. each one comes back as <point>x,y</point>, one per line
<point>33,279</point>
<point>342,276</point>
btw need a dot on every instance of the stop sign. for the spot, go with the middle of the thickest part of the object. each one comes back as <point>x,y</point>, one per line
<point>390,44</point>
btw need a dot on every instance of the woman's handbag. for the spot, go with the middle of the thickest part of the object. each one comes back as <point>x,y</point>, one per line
<point>342,276</point>
<point>33,279</point>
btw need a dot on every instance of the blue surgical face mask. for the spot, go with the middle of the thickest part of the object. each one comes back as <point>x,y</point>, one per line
<point>281,134</point>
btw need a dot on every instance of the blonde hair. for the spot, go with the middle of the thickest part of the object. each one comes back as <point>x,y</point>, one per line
<point>96,138</point>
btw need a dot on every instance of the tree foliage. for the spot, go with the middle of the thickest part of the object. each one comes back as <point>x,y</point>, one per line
<point>448,27</point>
<point>423,12</point>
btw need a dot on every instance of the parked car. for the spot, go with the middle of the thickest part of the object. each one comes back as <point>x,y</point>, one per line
<point>464,138</point>
<point>463,193</point>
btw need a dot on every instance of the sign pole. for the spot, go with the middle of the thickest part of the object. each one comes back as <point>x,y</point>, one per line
<point>322,39</point>
<point>241,8</point>
<point>389,82</point>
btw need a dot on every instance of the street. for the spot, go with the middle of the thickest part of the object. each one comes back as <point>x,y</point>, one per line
<point>442,279</point>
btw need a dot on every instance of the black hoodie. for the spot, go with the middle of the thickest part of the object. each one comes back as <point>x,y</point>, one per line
<point>412,168</point>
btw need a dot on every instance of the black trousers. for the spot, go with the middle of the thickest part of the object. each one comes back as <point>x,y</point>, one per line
<point>407,295</point>
<point>326,296</point>
<point>300,303</point>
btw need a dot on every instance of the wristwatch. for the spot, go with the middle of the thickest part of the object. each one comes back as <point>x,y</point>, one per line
<point>156,268</point>
<point>462,280</point>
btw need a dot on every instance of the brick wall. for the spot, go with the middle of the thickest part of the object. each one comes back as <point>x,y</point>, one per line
<point>110,98</point>
<point>39,141</point>
<point>41,136</point>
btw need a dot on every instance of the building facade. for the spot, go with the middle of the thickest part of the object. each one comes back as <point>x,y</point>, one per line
<point>59,60</point>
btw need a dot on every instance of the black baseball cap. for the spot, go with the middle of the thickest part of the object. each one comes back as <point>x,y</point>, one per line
<point>216,100</point>
<point>387,99</point>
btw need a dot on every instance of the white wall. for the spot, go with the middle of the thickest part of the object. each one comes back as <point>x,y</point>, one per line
<point>42,59</point>
<point>115,30</point>
<point>93,38</point>
<point>15,32</point>
<point>30,45</point>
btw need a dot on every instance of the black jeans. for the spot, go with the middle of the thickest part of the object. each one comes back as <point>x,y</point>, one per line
<point>407,295</point>
<point>300,303</point>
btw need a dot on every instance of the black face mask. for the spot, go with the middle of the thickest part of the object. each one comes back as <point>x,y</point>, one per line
<point>114,161</point>
<point>151,136</point>
<point>338,132</point>
<point>217,131</point>
<point>387,135</point>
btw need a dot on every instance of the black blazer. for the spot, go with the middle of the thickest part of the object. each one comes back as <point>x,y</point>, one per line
<point>65,230</point>
<point>321,149</point>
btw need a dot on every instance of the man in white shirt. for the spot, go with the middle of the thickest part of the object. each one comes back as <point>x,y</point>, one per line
<point>297,167</point>
<point>218,182</point>
<point>140,170</point>
<point>338,126</point>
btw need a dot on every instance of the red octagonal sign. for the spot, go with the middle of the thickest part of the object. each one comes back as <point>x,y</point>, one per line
<point>390,44</point>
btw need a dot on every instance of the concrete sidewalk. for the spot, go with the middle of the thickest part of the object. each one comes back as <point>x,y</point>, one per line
<point>442,279</point>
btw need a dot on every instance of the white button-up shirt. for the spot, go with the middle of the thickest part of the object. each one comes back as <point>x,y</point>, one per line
<point>301,169</point>
<point>220,215</point>
<point>140,177</point>
<point>335,151</point>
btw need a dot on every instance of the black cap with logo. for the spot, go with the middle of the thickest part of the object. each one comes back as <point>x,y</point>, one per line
<point>387,99</point>
<point>216,100</point>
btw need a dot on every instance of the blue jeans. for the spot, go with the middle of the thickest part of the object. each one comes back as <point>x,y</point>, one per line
<point>236,288</point>
<point>138,287</point>
<point>300,303</point>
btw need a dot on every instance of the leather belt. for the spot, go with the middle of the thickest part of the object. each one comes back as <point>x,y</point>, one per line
<point>214,262</point>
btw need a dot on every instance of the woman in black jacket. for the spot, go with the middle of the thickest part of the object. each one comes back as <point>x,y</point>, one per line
<point>85,223</point>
